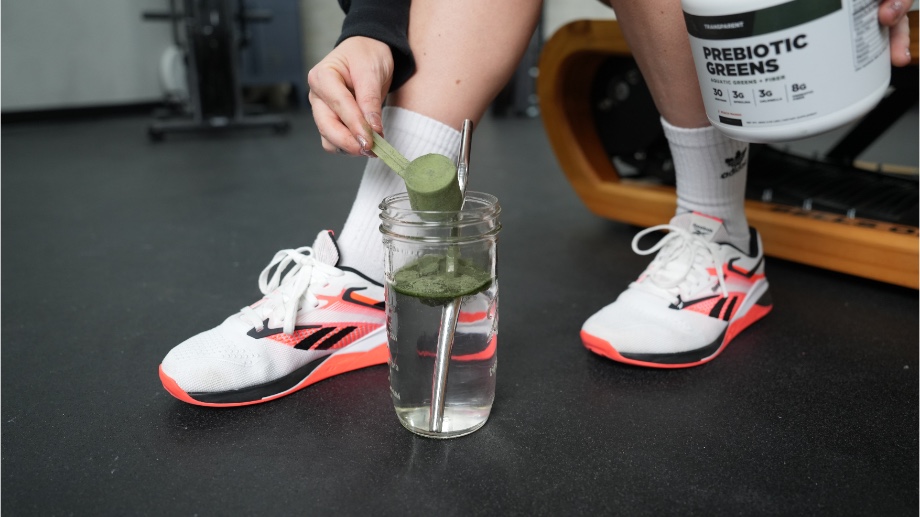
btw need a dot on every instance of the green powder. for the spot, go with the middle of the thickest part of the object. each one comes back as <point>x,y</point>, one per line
<point>428,279</point>
<point>431,180</point>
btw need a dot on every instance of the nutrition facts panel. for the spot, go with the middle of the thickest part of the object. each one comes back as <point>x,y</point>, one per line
<point>868,40</point>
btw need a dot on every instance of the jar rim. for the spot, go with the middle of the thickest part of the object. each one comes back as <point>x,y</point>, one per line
<point>484,207</point>
<point>478,219</point>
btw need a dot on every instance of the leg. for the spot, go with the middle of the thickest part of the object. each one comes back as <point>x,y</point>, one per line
<point>710,168</point>
<point>658,40</point>
<point>706,283</point>
<point>465,53</point>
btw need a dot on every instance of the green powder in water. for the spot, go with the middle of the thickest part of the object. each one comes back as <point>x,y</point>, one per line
<point>428,279</point>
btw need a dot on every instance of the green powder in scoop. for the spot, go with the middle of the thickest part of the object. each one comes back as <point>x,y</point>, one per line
<point>431,180</point>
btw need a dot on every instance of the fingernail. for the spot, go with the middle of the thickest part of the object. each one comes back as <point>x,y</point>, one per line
<point>363,142</point>
<point>368,154</point>
<point>374,120</point>
<point>897,7</point>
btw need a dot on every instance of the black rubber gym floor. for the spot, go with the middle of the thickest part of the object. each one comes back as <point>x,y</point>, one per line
<point>116,249</point>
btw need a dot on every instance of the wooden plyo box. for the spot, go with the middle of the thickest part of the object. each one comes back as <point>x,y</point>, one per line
<point>570,59</point>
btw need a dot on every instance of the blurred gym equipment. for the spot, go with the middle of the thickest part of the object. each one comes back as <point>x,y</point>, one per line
<point>210,34</point>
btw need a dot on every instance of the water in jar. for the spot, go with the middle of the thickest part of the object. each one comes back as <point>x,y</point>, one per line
<point>413,325</point>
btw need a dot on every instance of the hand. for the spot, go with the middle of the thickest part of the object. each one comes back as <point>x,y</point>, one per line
<point>347,89</point>
<point>893,13</point>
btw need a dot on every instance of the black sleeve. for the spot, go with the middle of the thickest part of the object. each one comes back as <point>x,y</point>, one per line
<point>386,21</point>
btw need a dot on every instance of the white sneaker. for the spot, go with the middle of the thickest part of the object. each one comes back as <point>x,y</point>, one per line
<point>697,294</point>
<point>315,321</point>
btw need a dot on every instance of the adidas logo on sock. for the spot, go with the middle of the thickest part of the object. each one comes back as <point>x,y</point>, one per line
<point>737,163</point>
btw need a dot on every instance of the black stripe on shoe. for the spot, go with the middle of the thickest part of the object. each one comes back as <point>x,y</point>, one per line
<point>728,310</point>
<point>717,309</point>
<point>312,339</point>
<point>690,356</point>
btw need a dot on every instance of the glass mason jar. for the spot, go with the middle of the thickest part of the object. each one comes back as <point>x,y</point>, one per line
<point>440,271</point>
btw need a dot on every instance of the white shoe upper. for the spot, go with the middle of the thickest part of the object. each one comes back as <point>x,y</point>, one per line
<point>308,303</point>
<point>687,296</point>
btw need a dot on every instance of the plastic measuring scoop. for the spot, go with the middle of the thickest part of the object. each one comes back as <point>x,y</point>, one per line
<point>431,180</point>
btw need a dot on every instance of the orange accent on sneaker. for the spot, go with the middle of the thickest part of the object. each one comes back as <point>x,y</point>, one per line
<point>705,307</point>
<point>601,347</point>
<point>363,299</point>
<point>341,363</point>
<point>174,388</point>
<point>754,313</point>
<point>180,394</point>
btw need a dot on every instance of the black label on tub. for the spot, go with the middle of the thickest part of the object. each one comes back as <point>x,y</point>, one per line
<point>764,21</point>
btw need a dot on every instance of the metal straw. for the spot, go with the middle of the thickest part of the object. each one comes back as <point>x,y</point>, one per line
<point>451,311</point>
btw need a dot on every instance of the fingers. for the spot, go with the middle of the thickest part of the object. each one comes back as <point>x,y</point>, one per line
<point>347,89</point>
<point>370,90</point>
<point>369,94</point>
<point>338,117</point>
<point>370,65</point>
<point>900,43</point>
<point>893,14</point>
<point>334,136</point>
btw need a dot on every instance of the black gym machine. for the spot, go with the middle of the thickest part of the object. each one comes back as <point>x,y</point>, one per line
<point>210,34</point>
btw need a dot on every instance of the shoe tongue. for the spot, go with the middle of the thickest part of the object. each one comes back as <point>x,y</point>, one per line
<point>704,226</point>
<point>325,249</point>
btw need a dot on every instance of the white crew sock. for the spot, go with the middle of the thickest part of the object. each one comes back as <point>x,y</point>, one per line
<point>412,134</point>
<point>711,172</point>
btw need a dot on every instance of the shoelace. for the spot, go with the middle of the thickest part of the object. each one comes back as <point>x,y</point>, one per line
<point>680,247</point>
<point>288,287</point>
